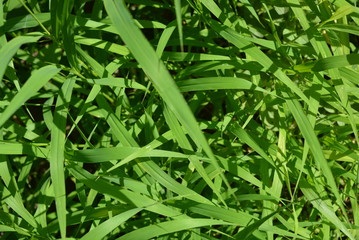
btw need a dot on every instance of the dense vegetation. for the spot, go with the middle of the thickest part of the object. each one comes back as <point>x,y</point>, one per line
<point>184,119</point>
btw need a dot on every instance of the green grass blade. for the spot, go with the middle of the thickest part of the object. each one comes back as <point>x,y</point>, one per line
<point>203,84</point>
<point>155,69</point>
<point>37,80</point>
<point>57,151</point>
<point>329,63</point>
<point>107,154</point>
<point>248,230</point>
<point>109,225</point>
<point>10,48</point>
<point>15,148</point>
<point>310,137</point>
<point>230,215</point>
<point>164,228</point>
<point>62,21</point>
<point>2,36</point>
<point>101,44</point>
<point>323,208</point>
<point>26,21</point>
<point>17,205</point>
<point>167,33</point>
<point>245,137</point>
<point>178,8</point>
<point>342,11</point>
<point>352,29</point>
<point>116,82</point>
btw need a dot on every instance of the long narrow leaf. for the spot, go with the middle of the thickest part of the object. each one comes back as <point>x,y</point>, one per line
<point>37,80</point>
<point>57,152</point>
<point>9,49</point>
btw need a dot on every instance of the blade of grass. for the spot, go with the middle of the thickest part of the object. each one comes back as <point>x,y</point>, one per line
<point>178,9</point>
<point>165,36</point>
<point>230,215</point>
<point>3,40</point>
<point>155,69</point>
<point>245,137</point>
<point>328,63</point>
<point>168,227</point>
<point>215,83</point>
<point>247,231</point>
<point>109,225</point>
<point>107,154</point>
<point>323,208</point>
<point>9,49</point>
<point>37,80</point>
<point>26,21</point>
<point>15,148</point>
<point>352,29</point>
<point>157,72</point>
<point>341,12</point>
<point>17,205</point>
<point>67,30</point>
<point>116,82</point>
<point>57,151</point>
<point>101,44</point>
<point>186,146</point>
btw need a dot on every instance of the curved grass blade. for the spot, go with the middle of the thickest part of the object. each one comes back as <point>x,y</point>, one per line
<point>158,73</point>
<point>155,69</point>
<point>27,21</point>
<point>341,12</point>
<point>328,63</point>
<point>15,202</point>
<point>9,49</point>
<point>37,80</point>
<point>109,225</point>
<point>167,33</point>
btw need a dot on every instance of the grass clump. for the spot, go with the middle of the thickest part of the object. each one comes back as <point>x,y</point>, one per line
<point>179,119</point>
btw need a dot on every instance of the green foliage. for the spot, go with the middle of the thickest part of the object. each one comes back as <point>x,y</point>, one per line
<point>185,119</point>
